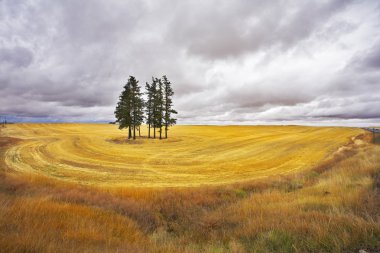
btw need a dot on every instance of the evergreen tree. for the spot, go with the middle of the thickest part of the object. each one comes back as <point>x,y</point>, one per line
<point>154,105</point>
<point>129,111</point>
<point>168,105</point>
<point>150,90</point>
<point>159,110</point>
<point>158,113</point>
<point>137,103</point>
<point>123,110</point>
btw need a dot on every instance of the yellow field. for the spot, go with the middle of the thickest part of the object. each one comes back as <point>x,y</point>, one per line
<point>192,156</point>
<point>286,189</point>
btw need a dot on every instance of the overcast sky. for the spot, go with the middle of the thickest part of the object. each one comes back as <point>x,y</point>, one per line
<point>230,62</point>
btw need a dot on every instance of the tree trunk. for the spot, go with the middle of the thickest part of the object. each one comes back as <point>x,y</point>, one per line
<point>129,132</point>
<point>160,132</point>
<point>149,131</point>
<point>166,131</point>
<point>139,132</point>
<point>134,132</point>
<point>154,132</point>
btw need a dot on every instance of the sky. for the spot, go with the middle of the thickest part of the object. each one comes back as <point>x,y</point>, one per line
<point>312,62</point>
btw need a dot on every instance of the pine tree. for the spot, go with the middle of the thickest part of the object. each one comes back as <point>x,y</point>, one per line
<point>154,105</point>
<point>168,105</point>
<point>150,90</point>
<point>124,109</point>
<point>137,106</point>
<point>158,113</point>
<point>129,111</point>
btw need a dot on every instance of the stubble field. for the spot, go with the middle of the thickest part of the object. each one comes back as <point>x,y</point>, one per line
<point>85,188</point>
<point>191,156</point>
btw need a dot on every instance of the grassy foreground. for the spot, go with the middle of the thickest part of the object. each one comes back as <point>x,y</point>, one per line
<point>254,189</point>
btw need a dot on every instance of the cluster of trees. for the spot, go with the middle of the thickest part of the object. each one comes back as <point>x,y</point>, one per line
<point>157,109</point>
<point>3,121</point>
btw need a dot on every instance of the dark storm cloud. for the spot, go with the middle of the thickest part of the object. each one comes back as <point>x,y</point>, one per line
<point>230,61</point>
<point>369,60</point>
<point>221,29</point>
<point>17,56</point>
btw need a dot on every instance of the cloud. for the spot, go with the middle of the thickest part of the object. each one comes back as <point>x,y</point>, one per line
<point>368,60</point>
<point>231,62</point>
<point>217,29</point>
<point>16,57</point>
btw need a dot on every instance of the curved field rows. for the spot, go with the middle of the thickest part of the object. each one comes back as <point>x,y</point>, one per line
<point>193,155</point>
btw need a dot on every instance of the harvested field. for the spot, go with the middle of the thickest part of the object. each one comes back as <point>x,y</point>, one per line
<point>84,188</point>
<point>192,156</point>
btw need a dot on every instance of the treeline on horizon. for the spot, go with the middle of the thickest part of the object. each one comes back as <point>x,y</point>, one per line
<point>157,110</point>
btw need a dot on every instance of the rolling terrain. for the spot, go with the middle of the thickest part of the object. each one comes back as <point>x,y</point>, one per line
<point>192,156</point>
<point>85,188</point>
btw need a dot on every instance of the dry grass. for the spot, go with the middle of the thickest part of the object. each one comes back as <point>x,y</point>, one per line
<point>38,224</point>
<point>333,206</point>
<point>193,156</point>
